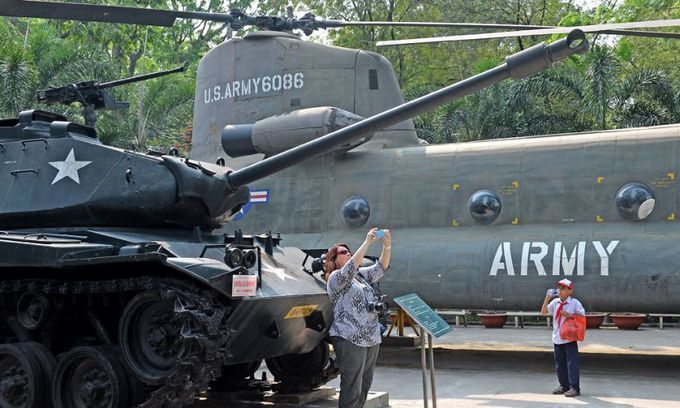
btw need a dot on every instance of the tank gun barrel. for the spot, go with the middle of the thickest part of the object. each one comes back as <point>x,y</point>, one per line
<point>516,66</point>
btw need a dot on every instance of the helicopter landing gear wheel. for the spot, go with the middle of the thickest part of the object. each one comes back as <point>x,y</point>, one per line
<point>91,377</point>
<point>301,372</point>
<point>23,381</point>
<point>150,337</point>
<point>233,374</point>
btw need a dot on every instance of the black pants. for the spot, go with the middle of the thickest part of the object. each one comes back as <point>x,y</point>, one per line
<point>567,365</point>
<point>356,366</point>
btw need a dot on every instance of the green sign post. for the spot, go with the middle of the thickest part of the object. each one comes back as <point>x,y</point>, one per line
<point>429,322</point>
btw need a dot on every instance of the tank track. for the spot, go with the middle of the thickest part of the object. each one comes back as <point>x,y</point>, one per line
<point>204,333</point>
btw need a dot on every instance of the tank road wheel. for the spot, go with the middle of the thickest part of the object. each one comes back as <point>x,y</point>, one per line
<point>23,381</point>
<point>91,377</point>
<point>150,337</point>
<point>233,374</point>
<point>45,358</point>
<point>33,310</point>
<point>301,372</point>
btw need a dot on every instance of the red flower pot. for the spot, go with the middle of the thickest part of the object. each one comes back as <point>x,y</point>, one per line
<point>627,321</point>
<point>492,320</point>
<point>594,320</point>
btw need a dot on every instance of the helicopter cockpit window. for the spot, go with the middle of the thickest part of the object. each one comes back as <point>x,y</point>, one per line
<point>355,211</point>
<point>484,207</point>
<point>635,201</point>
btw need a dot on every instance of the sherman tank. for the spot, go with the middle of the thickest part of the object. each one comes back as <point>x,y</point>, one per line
<point>119,286</point>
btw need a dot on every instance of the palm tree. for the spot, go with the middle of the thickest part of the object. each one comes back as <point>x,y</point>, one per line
<point>645,98</point>
<point>160,109</point>
<point>592,93</point>
<point>600,77</point>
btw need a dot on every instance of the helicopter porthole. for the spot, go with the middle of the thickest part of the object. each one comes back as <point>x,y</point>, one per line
<point>484,207</point>
<point>635,201</point>
<point>355,211</point>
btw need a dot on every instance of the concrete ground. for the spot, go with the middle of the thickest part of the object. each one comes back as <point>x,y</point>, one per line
<point>509,367</point>
<point>513,367</point>
<point>518,388</point>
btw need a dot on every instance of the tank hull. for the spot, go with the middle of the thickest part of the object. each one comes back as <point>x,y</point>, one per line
<point>164,292</point>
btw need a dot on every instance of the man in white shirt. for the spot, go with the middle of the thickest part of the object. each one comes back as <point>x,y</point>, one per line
<point>561,308</point>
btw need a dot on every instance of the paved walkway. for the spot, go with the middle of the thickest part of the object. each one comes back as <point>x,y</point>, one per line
<point>513,367</point>
<point>525,389</point>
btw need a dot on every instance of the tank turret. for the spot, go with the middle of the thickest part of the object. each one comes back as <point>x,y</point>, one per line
<point>58,174</point>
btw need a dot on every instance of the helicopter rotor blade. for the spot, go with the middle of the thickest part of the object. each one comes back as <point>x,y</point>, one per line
<point>166,18</point>
<point>339,23</point>
<point>617,29</point>
<point>308,23</point>
<point>635,33</point>
<point>104,14</point>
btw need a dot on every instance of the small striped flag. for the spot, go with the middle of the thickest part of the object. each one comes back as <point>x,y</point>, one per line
<point>259,196</point>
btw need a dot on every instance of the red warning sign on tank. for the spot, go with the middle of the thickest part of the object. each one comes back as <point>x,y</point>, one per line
<point>244,285</point>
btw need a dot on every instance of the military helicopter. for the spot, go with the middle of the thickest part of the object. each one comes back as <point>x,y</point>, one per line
<point>114,262</point>
<point>483,224</point>
<point>478,225</point>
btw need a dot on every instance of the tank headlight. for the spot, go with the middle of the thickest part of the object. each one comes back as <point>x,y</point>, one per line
<point>249,258</point>
<point>233,257</point>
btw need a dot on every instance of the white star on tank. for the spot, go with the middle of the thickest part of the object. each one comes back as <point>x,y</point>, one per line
<point>280,273</point>
<point>68,168</point>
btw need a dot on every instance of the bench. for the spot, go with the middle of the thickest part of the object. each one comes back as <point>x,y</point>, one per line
<point>661,316</point>
<point>519,317</point>
<point>456,313</point>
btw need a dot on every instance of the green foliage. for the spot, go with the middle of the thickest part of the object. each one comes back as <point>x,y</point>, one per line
<point>55,54</point>
<point>621,82</point>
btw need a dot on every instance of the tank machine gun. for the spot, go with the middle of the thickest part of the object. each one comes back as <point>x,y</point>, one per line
<point>93,95</point>
<point>126,242</point>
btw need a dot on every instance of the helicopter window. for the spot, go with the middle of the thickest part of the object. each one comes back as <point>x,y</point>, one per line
<point>355,211</point>
<point>372,79</point>
<point>484,207</point>
<point>635,201</point>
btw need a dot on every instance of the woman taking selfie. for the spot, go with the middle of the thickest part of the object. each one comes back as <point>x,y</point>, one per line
<point>355,332</point>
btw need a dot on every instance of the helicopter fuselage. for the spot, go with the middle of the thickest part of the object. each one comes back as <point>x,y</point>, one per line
<point>558,217</point>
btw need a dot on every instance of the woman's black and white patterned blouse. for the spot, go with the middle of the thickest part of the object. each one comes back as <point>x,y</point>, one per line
<point>350,291</point>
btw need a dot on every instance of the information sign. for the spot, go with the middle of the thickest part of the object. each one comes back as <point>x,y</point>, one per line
<point>423,314</point>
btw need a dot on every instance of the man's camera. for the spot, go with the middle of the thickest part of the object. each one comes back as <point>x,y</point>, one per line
<point>378,306</point>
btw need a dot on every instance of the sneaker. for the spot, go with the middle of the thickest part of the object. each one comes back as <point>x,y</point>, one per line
<point>558,390</point>
<point>572,393</point>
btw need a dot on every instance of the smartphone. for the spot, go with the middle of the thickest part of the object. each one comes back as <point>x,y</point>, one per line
<point>554,292</point>
<point>380,234</point>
